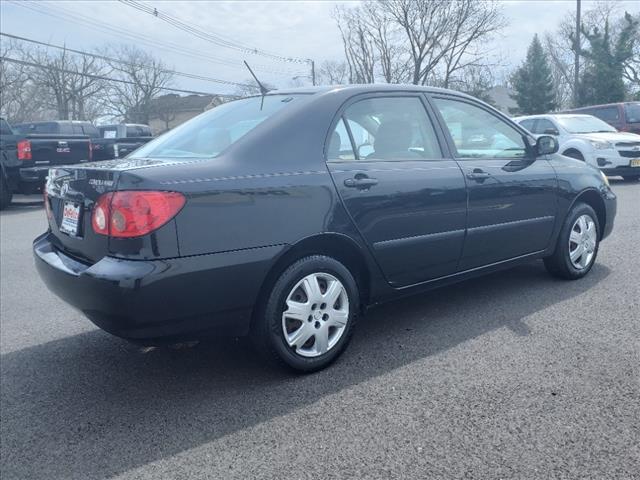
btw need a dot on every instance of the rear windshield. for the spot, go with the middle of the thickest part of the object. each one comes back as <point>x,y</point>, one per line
<point>584,124</point>
<point>210,133</point>
<point>44,127</point>
<point>632,112</point>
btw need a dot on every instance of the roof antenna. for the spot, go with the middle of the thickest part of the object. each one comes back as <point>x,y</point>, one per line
<point>263,89</point>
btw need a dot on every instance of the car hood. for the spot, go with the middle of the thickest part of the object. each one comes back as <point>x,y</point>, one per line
<point>610,136</point>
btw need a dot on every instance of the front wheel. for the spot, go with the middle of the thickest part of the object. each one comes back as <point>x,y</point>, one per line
<point>309,315</point>
<point>577,245</point>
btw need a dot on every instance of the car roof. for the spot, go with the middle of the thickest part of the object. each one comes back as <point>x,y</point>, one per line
<point>365,88</point>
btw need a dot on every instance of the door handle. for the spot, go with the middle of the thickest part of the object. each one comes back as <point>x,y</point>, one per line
<point>361,182</point>
<point>478,175</point>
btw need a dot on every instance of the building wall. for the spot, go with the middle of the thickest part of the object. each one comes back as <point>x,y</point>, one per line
<point>158,126</point>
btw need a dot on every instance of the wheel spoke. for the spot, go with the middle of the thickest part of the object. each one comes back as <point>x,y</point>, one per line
<point>299,337</point>
<point>322,340</point>
<point>338,318</point>
<point>297,311</point>
<point>583,225</point>
<point>333,292</point>
<point>575,254</point>
<point>575,237</point>
<point>311,288</point>
<point>584,259</point>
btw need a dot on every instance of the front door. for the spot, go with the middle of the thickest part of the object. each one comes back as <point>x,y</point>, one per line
<point>406,199</point>
<point>512,196</point>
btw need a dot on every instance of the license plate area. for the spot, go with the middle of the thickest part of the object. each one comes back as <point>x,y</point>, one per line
<point>635,162</point>
<point>70,223</point>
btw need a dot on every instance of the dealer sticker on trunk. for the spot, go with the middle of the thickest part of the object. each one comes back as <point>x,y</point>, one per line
<point>70,218</point>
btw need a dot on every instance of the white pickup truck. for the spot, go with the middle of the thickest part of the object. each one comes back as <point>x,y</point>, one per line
<point>588,138</point>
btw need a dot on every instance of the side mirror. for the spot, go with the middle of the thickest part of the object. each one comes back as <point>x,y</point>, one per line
<point>551,131</point>
<point>546,145</point>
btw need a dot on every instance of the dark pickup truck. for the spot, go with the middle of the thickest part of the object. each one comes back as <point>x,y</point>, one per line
<point>28,150</point>
<point>119,140</point>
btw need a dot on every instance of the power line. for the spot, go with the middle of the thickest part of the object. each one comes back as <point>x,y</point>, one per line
<point>104,77</point>
<point>109,29</point>
<point>211,37</point>
<point>114,60</point>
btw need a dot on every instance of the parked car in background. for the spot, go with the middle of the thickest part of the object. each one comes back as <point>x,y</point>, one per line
<point>624,117</point>
<point>591,140</point>
<point>36,149</point>
<point>119,140</point>
<point>9,163</point>
<point>283,216</point>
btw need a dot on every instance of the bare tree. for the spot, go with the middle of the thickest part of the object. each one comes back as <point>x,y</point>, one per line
<point>357,42</point>
<point>332,72</point>
<point>249,88</point>
<point>142,77</point>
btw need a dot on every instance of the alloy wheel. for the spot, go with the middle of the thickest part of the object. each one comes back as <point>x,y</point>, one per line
<point>316,314</point>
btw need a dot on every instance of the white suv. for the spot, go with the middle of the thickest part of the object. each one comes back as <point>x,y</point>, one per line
<point>588,138</point>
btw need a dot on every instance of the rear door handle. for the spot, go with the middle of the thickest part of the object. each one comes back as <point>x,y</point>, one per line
<point>478,175</point>
<point>361,182</point>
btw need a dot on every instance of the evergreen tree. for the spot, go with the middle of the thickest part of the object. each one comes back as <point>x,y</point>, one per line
<point>533,83</point>
<point>602,81</point>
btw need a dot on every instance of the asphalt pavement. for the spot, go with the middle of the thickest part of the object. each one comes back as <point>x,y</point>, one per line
<point>514,375</point>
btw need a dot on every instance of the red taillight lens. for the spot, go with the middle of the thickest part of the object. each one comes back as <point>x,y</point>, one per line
<point>24,150</point>
<point>130,214</point>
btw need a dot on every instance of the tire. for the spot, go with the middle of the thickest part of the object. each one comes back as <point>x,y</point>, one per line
<point>574,259</point>
<point>5,191</point>
<point>574,154</point>
<point>315,333</point>
<point>631,178</point>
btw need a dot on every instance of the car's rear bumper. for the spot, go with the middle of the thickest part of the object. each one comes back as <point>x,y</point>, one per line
<point>150,301</point>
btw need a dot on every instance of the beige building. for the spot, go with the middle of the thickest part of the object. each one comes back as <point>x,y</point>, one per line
<point>171,110</point>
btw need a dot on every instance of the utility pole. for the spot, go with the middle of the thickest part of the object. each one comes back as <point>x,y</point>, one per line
<point>313,72</point>
<point>576,69</point>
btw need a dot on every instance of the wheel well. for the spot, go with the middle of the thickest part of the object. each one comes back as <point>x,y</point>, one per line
<point>575,151</point>
<point>593,199</point>
<point>337,246</point>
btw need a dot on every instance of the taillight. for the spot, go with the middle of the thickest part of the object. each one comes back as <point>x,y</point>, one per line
<point>24,150</point>
<point>133,213</point>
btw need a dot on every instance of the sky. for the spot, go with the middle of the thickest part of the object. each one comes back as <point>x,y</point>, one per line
<point>289,29</point>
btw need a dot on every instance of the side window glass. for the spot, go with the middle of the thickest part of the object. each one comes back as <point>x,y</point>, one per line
<point>392,128</point>
<point>608,114</point>
<point>477,133</point>
<point>546,127</point>
<point>528,124</point>
<point>339,144</point>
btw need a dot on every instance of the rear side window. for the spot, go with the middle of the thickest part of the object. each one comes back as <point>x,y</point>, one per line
<point>208,134</point>
<point>388,128</point>
<point>608,114</point>
<point>340,147</point>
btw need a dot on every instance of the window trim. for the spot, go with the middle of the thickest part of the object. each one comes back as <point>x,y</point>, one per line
<point>430,115</point>
<point>528,140</point>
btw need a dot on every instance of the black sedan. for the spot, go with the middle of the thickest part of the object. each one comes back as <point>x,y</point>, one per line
<point>284,216</point>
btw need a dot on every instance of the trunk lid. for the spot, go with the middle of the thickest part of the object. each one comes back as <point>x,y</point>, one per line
<point>76,189</point>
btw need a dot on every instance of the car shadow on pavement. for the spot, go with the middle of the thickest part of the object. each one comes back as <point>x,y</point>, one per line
<point>91,405</point>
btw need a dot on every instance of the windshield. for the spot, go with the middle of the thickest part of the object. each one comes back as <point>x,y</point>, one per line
<point>632,112</point>
<point>584,124</point>
<point>208,134</point>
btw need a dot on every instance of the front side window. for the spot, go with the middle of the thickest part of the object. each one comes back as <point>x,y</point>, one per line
<point>208,134</point>
<point>391,128</point>
<point>477,133</point>
<point>528,123</point>
<point>546,127</point>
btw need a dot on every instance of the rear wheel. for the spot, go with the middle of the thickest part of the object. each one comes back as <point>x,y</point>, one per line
<point>5,191</point>
<point>309,315</point>
<point>577,245</point>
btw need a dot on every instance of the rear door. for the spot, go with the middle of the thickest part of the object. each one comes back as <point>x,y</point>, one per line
<point>405,196</point>
<point>512,196</point>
